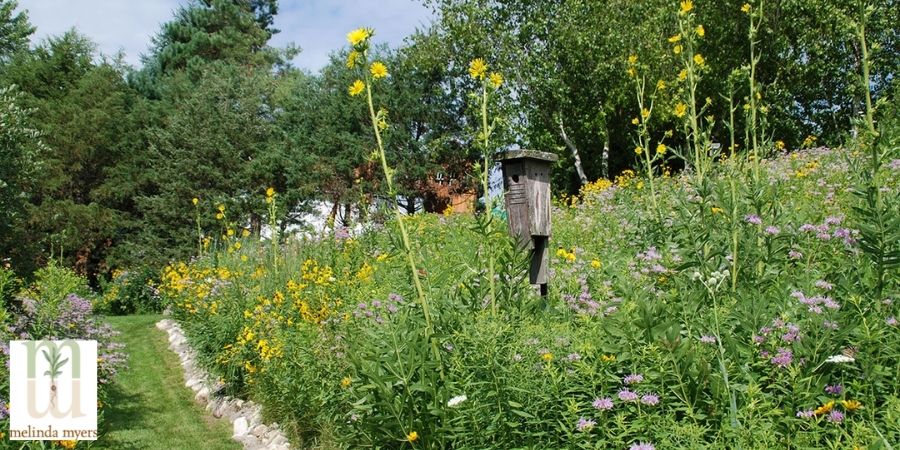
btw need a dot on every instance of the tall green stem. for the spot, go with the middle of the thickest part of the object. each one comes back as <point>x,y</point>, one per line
<point>388,176</point>
<point>488,203</point>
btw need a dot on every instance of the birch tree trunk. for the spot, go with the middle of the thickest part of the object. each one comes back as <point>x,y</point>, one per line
<point>578,168</point>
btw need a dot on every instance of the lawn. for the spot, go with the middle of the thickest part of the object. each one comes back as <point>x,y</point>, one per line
<point>149,407</point>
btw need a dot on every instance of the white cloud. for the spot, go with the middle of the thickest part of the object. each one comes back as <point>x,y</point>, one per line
<point>317,26</point>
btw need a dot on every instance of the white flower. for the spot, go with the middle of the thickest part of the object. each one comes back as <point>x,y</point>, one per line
<point>453,402</point>
<point>839,359</point>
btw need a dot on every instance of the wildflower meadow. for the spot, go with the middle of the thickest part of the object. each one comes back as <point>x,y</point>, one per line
<point>728,280</point>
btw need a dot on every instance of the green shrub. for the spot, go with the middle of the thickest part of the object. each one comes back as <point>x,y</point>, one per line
<point>130,292</point>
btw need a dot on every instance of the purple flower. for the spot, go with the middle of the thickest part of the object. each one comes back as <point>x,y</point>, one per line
<point>822,284</point>
<point>807,228</point>
<point>708,339</point>
<point>806,414</point>
<point>833,220</point>
<point>834,389</point>
<point>753,218</point>
<point>627,396</point>
<point>642,446</point>
<point>891,321</point>
<point>650,399</point>
<point>783,358</point>
<point>835,416</point>
<point>633,378</point>
<point>603,404</point>
<point>517,357</point>
<point>573,357</point>
<point>794,254</point>
<point>771,229</point>
<point>585,424</point>
<point>830,325</point>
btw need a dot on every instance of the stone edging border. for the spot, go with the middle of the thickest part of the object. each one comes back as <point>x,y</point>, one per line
<point>245,416</point>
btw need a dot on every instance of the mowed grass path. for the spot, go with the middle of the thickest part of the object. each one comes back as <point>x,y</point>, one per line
<point>150,408</point>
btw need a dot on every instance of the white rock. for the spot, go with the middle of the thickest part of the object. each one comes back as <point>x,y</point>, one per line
<point>249,441</point>
<point>202,395</point>
<point>241,427</point>
<point>259,430</point>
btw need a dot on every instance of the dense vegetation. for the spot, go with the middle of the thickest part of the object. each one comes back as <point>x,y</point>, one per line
<point>729,281</point>
<point>96,154</point>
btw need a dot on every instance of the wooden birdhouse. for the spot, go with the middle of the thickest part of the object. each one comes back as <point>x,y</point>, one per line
<point>526,181</point>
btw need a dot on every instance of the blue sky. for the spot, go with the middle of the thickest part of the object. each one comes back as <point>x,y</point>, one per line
<point>317,26</point>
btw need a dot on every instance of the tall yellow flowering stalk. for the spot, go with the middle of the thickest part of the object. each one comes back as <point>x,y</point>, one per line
<point>755,16</point>
<point>698,154</point>
<point>196,202</point>
<point>374,72</point>
<point>478,70</point>
<point>647,153</point>
<point>273,225</point>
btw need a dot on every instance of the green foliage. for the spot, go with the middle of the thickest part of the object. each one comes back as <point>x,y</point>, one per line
<point>14,29</point>
<point>19,147</point>
<point>333,344</point>
<point>129,293</point>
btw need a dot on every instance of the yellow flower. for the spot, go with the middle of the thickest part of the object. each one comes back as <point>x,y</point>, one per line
<point>345,382</point>
<point>608,358</point>
<point>661,149</point>
<point>221,208</point>
<point>547,356</point>
<point>639,150</point>
<point>645,113</point>
<point>67,444</point>
<point>358,36</point>
<point>237,245</point>
<point>675,38</point>
<point>746,8</point>
<point>631,72</point>
<point>677,49</point>
<point>351,59</point>
<point>779,145</point>
<point>635,121</point>
<point>851,405</point>
<point>230,232</point>
<point>824,409</point>
<point>356,88</point>
<point>686,6</point>
<point>698,58</point>
<point>680,109</point>
<point>195,200</point>
<point>632,59</point>
<point>378,70</point>
<point>245,232</point>
<point>477,68</point>
<point>717,210</point>
<point>220,216</point>
<point>496,79</point>
<point>596,264</point>
<point>682,75</point>
<point>700,31</point>
<point>270,192</point>
<point>660,85</point>
<point>412,436</point>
